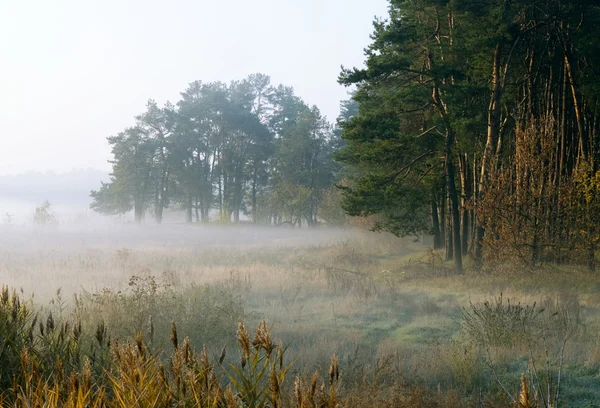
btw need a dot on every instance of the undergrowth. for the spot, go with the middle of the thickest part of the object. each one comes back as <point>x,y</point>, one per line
<point>56,361</point>
<point>53,365</point>
<point>405,329</point>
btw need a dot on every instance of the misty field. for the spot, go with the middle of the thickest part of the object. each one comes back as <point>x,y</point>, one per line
<point>392,312</point>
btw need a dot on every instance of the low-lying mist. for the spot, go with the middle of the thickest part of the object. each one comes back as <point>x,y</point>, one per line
<point>323,290</point>
<point>43,259</point>
<point>392,310</point>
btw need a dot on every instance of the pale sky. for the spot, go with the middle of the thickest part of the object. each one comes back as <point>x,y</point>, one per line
<point>73,72</point>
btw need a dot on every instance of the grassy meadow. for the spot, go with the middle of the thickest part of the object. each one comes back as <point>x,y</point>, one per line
<point>382,320</point>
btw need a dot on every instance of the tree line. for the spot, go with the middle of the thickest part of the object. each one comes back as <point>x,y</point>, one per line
<point>478,121</point>
<point>224,151</point>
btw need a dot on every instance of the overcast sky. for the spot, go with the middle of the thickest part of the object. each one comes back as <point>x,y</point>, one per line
<point>73,72</point>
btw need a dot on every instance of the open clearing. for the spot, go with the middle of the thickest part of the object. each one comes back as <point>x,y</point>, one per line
<point>364,296</point>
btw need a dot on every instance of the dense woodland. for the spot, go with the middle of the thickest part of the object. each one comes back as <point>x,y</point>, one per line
<point>479,120</point>
<point>476,122</point>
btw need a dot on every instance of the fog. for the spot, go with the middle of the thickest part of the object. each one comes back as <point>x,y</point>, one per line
<point>74,257</point>
<point>314,281</point>
<point>113,236</point>
<point>279,203</point>
<point>77,72</point>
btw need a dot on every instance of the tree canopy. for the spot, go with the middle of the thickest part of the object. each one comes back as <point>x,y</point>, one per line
<point>476,121</point>
<point>224,150</point>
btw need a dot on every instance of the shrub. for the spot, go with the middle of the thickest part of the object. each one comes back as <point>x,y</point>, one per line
<point>149,305</point>
<point>499,323</point>
<point>44,215</point>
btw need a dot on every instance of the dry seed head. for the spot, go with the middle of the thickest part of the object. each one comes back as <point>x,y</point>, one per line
<point>298,391</point>
<point>174,335</point>
<point>262,339</point>
<point>244,340</point>
<point>100,332</point>
<point>25,360</point>
<point>5,295</point>
<point>73,384</point>
<point>87,376</point>
<point>151,330</point>
<point>334,372</point>
<point>16,306</point>
<point>258,341</point>
<point>206,367</point>
<point>186,350</point>
<point>313,385</point>
<point>139,342</point>
<point>274,386</point>
<point>50,323</point>
<point>34,322</point>
<point>524,394</point>
<point>230,398</point>
<point>280,356</point>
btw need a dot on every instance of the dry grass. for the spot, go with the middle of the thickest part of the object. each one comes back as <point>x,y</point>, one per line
<point>134,374</point>
<point>363,296</point>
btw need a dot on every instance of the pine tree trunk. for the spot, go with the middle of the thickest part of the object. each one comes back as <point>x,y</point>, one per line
<point>188,213</point>
<point>449,238</point>
<point>197,210</point>
<point>491,145</point>
<point>442,210</point>
<point>254,209</point>
<point>466,195</point>
<point>435,221</point>
<point>456,241</point>
<point>138,213</point>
